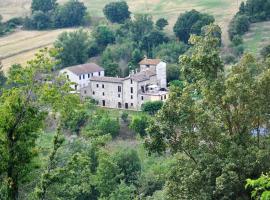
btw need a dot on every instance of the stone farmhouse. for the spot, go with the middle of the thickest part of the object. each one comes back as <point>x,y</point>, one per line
<point>81,74</point>
<point>149,84</point>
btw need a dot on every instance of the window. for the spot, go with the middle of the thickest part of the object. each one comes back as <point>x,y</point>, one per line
<point>76,87</point>
<point>119,88</point>
<point>147,66</point>
<point>88,75</point>
<point>92,74</point>
<point>119,95</point>
<point>97,85</point>
<point>131,96</point>
<point>142,88</point>
<point>85,92</point>
<point>103,103</point>
<point>142,98</point>
<point>131,90</point>
<point>93,92</point>
<point>80,77</point>
<point>161,97</point>
<point>102,85</point>
<point>131,104</point>
<point>99,73</point>
<point>131,81</point>
<point>103,93</point>
<point>83,77</point>
<point>119,105</point>
<point>165,97</point>
<point>67,76</point>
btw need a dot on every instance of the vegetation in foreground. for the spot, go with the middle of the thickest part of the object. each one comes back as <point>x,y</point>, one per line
<point>210,140</point>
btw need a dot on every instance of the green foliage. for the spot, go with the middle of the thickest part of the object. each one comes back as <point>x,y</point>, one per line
<point>48,14</point>
<point>170,51</point>
<point>38,20</point>
<point>43,5</point>
<point>191,22</point>
<point>74,47</point>
<point>209,123</point>
<point>115,55</point>
<point>265,52</point>
<point>260,186</point>
<point>173,72</point>
<point>108,125</point>
<point>141,26</point>
<point>103,36</point>
<point>117,12</point>
<point>2,78</point>
<point>101,124</point>
<point>161,23</point>
<point>108,176</point>
<point>237,40</point>
<point>10,25</point>
<point>139,124</point>
<point>76,120</point>
<point>129,165</point>
<point>23,110</point>
<point>238,26</point>
<point>153,39</point>
<point>152,107</point>
<point>204,59</point>
<point>123,192</point>
<point>124,117</point>
<point>136,56</point>
<point>70,14</point>
<point>256,10</point>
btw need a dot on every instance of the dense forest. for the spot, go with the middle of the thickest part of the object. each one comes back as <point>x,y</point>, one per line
<point>209,140</point>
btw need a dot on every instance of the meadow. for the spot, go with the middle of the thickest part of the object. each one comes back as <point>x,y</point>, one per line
<point>22,45</point>
<point>257,37</point>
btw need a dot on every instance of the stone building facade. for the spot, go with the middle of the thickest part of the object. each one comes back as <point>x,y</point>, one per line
<point>149,84</point>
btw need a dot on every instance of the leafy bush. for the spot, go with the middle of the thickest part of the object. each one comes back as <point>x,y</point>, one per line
<point>152,107</point>
<point>129,164</point>
<point>139,124</point>
<point>107,125</point>
<point>124,116</point>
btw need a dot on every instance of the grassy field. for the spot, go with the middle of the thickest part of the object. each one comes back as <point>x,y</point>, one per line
<point>257,37</point>
<point>21,46</point>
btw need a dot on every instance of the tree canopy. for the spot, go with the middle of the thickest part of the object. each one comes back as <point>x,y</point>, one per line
<point>73,47</point>
<point>117,12</point>
<point>191,22</point>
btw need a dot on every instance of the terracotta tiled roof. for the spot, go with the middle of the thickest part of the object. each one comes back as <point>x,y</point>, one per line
<point>106,79</point>
<point>147,61</point>
<point>85,68</point>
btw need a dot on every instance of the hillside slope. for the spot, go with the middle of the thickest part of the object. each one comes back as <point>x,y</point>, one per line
<point>223,10</point>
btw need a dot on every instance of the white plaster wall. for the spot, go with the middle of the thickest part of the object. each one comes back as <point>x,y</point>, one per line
<point>84,81</point>
<point>144,67</point>
<point>72,77</point>
<point>162,74</point>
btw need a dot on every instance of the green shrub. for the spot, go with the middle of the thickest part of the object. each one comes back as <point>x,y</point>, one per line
<point>152,107</point>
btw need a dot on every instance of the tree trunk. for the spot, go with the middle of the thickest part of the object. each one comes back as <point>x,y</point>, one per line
<point>12,175</point>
